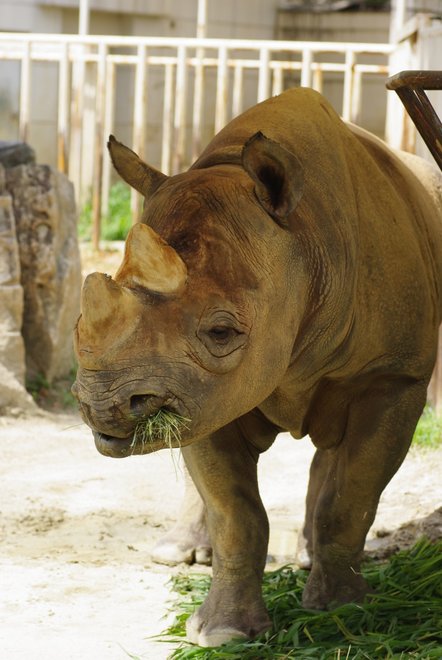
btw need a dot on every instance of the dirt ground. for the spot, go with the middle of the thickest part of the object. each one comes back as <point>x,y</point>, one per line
<point>76,531</point>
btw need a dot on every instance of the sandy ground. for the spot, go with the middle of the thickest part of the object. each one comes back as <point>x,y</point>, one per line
<point>76,531</point>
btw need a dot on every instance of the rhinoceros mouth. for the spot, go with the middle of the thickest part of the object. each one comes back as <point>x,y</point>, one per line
<point>114,447</point>
<point>158,431</point>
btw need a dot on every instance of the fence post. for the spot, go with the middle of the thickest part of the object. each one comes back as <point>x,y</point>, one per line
<point>348,85</point>
<point>221,90</point>
<point>180,111</point>
<point>25,92</point>
<point>264,74</point>
<point>167,115</point>
<point>63,111</point>
<point>306,70</point>
<point>100,103</point>
<point>237,96</point>
<point>109,118</point>
<point>139,122</point>
<point>197,102</point>
<point>76,124</point>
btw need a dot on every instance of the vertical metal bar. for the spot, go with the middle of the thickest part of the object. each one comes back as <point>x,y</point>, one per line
<point>76,123</point>
<point>167,119</point>
<point>318,78</point>
<point>306,69</point>
<point>221,90</point>
<point>278,81</point>
<point>63,110</point>
<point>348,84</point>
<point>356,97</point>
<point>264,75</point>
<point>180,111</point>
<point>109,118</point>
<point>25,92</point>
<point>201,24</point>
<point>98,145</point>
<point>198,102</point>
<point>237,97</point>
<point>83,17</point>
<point>139,122</point>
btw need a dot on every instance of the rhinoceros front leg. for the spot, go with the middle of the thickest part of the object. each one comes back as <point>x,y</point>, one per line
<point>188,540</point>
<point>224,469</point>
<point>347,482</point>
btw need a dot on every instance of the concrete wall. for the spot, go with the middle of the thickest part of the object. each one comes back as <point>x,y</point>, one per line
<point>252,19</point>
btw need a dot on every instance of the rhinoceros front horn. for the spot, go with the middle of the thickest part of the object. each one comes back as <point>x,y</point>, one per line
<point>150,263</point>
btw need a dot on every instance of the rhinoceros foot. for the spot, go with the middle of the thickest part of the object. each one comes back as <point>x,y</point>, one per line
<point>213,628</point>
<point>183,545</point>
<point>328,589</point>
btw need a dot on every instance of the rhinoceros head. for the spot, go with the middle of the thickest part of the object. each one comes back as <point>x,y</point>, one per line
<point>194,323</point>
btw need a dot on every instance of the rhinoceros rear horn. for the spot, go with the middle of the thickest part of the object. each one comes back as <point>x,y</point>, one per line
<point>151,263</point>
<point>277,173</point>
<point>133,170</point>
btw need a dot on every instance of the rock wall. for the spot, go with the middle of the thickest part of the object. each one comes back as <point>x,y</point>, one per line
<point>13,396</point>
<point>40,274</point>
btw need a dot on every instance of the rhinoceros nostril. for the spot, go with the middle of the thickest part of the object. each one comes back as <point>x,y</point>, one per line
<point>143,405</point>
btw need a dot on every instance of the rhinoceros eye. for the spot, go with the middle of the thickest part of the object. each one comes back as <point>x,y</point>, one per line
<point>221,334</point>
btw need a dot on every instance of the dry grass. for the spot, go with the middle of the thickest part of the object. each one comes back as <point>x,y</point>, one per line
<point>164,426</point>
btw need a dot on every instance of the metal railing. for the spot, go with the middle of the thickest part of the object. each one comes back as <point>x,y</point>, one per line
<point>192,86</point>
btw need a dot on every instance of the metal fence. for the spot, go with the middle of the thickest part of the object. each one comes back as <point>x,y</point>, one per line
<point>185,89</point>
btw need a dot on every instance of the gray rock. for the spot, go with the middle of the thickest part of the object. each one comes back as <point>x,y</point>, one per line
<point>16,153</point>
<point>12,353</point>
<point>13,396</point>
<point>14,399</point>
<point>45,216</point>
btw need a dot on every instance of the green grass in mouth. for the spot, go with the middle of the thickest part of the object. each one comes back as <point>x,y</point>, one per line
<point>164,425</point>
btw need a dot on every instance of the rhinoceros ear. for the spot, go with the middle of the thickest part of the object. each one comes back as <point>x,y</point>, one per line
<point>277,173</point>
<point>133,170</point>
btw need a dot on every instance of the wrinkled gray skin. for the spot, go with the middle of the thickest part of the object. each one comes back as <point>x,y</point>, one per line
<point>312,305</point>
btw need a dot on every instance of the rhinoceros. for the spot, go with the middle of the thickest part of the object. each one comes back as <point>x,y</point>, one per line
<point>290,280</point>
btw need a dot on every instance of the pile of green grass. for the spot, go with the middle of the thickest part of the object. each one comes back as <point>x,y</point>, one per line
<point>402,620</point>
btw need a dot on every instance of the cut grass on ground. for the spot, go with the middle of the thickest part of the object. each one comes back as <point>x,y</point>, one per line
<point>402,620</point>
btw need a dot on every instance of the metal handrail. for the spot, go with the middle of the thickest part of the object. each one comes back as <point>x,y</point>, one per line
<point>410,86</point>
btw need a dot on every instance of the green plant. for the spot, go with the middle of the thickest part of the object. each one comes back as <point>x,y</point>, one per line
<point>54,395</point>
<point>428,430</point>
<point>118,220</point>
<point>402,619</point>
<point>38,386</point>
<point>85,221</point>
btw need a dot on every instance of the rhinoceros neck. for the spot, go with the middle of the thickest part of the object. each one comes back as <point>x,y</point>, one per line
<point>228,155</point>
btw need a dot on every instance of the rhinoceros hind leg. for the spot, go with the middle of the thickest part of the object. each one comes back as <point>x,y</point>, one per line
<point>379,430</point>
<point>188,541</point>
<point>318,473</point>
